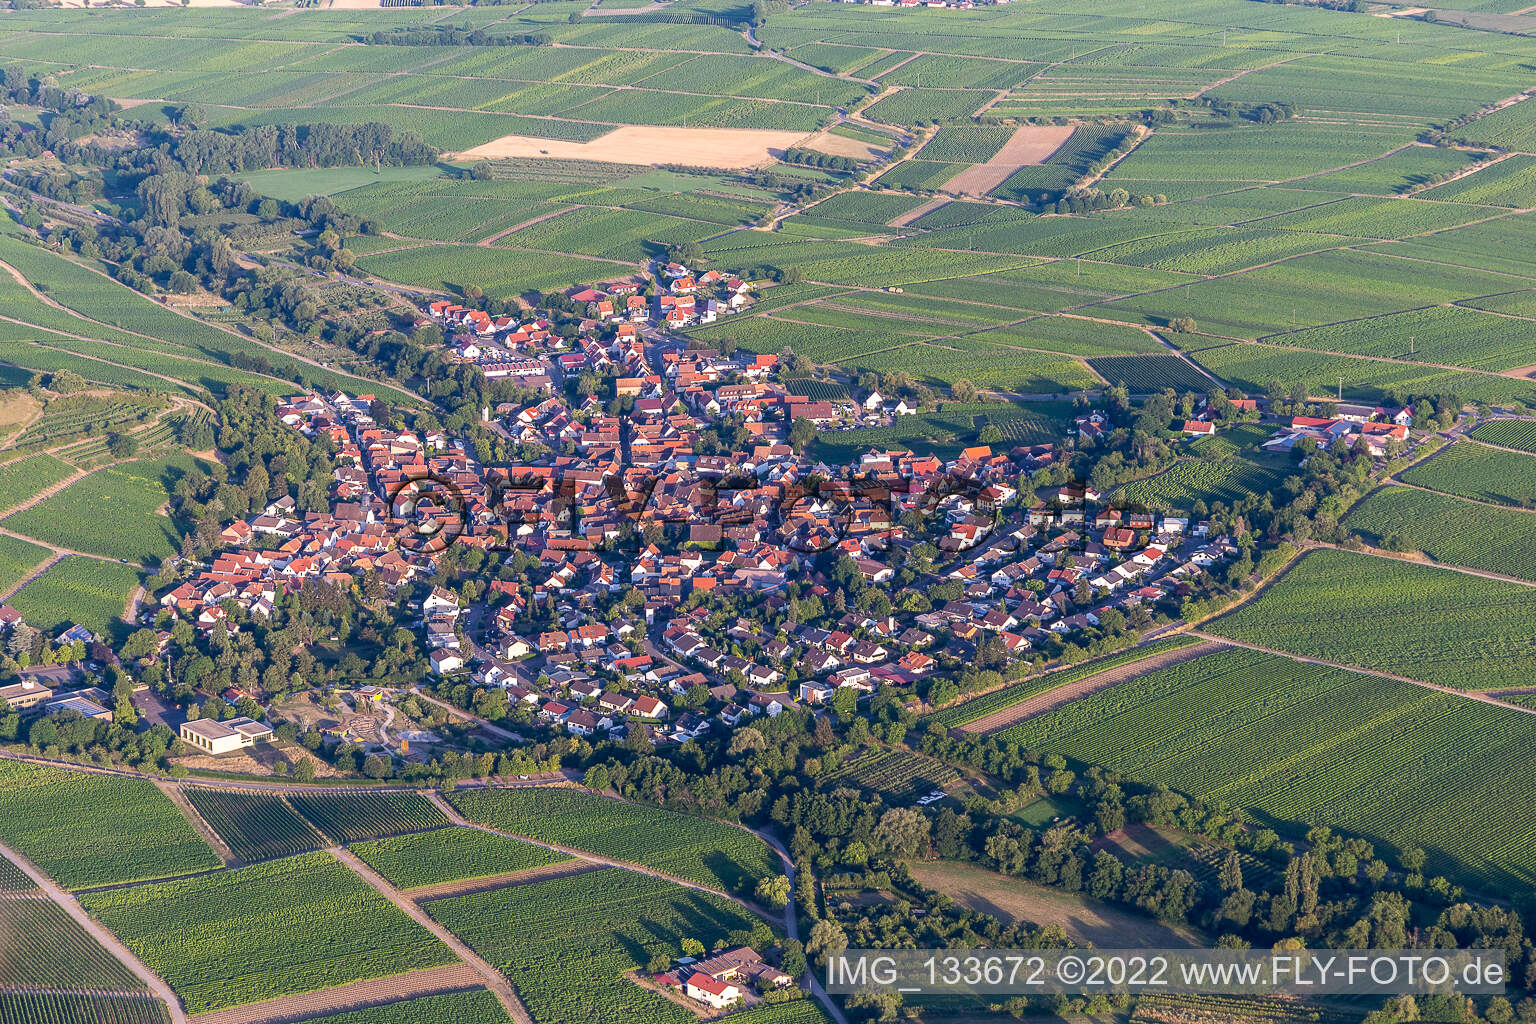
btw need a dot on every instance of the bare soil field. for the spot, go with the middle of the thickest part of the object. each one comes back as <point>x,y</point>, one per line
<point>1083,918</point>
<point>1031,144</point>
<point>726,148</point>
<point>1053,699</point>
<point>356,996</point>
<point>839,145</point>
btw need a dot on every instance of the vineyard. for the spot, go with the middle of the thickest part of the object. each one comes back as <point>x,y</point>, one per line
<point>36,1008</point>
<point>1507,434</point>
<point>18,558</point>
<point>350,817</point>
<point>45,948</point>
<point>114,512</point>
<point>477,1007</point>
<point>1149,374</point>
<point>900,774</point>
<point>76,590</point>
<point>1392,761</point>
<point>1449,529</point>
<point>1471,470</point>
<point>451,855</point>
<point>13,879</point>
<point>1392,616</point>
<point>87,830</point>
<point>567,943</point>
<point>24,478</point>
<point>263,931</point>
<point>1208,480</point>
<point>257,826</point>
<point>698,849</point>
<point>1018,693</point>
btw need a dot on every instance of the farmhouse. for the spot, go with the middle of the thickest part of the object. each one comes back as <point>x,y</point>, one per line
<point>705,989</point>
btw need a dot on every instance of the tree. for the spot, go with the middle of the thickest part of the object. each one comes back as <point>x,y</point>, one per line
<point>801,433</point>
<point>596,778</point>
<point>902,832</point>
<point>121,446</point>
<point>963,390</point>
<point>377,766</point>
<point>773,892</point>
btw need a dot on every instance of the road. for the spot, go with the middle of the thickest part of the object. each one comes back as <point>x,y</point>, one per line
<point>99,932</point>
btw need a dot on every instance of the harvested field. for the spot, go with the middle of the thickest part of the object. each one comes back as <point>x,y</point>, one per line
<point>1053,699</point>
<point>1030,145</point>
<point>650,144</point>
<point>356,996</point>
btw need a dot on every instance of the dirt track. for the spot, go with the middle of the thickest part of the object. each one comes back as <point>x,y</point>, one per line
<point>356,996</point>
<point>467,886</point>
<point>1053,699</point>
<point>1031,144</point>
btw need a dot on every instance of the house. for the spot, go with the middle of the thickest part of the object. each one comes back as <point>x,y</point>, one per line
<point>719,994</point>
<point>444,661</point>
<point>225,737</point>
<point>648,707</point>
<point>1199,428</point>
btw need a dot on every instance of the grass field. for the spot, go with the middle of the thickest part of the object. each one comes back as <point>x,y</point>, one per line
<point>1398,763</point>
<point>87,830</point>
<point>1410,620</point>
<point>567,943</point>
<point>697,849</point>
<point>213,937</point>
<point>450,855</point>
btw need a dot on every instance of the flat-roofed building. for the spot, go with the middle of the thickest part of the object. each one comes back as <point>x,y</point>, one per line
<point>225,737</point>
<point>26,694</point>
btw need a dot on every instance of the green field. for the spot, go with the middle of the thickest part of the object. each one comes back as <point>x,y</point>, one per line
<point>350,817</point>
<point>1395,762</point>
<point>17,559</point>
<point>212,937</point>
<point>1008,696</point>
<point>78,591</point>
<point>450,855</point>
<point>1411,620</point>
<point>1151,374</point>
<point>1519,434</point>
<point>87,830</point>
<point>703,851</point>
<point>1450,529</point>
<point>60,1008</point>
<point>46,948</point>
<point>256,826</point>
<point>566,943</point>
<point>1474,471</point>
<point>24,478</point>
<point>114,512</point>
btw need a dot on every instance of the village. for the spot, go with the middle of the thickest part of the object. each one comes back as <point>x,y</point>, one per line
<point>669,594</point>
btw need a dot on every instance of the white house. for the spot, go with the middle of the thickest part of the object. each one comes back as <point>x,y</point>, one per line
<point>705,989</point>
